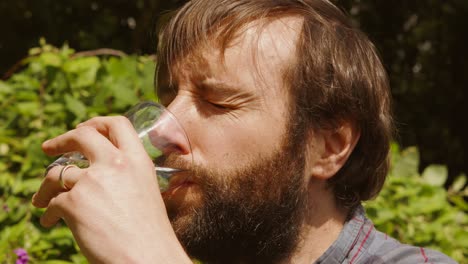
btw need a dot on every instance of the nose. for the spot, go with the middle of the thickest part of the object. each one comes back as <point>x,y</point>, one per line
<point>169,136</point>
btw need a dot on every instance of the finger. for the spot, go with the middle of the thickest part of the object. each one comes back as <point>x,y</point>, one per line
<point>86,140</point>
<point>54,212</point>
<point>50,186</point>
<point>118,130</point>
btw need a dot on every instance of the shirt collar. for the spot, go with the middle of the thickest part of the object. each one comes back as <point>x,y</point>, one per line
<point>338,251</point>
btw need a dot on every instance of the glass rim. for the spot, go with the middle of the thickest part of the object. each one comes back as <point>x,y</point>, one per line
<point>146,103</point>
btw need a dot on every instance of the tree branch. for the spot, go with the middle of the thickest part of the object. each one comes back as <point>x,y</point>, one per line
<point>99,52</point>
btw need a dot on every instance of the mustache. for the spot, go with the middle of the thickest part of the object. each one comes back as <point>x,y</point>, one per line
<point>176,161</point>
<point>208,179</point>
<point>173,160</point>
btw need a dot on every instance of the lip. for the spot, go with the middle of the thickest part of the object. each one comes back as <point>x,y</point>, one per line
<point>177,183</point>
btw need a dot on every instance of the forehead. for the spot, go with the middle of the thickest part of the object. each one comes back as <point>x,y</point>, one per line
<point>255,57</point>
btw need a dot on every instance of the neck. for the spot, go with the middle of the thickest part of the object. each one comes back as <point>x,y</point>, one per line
<point>322,226</point>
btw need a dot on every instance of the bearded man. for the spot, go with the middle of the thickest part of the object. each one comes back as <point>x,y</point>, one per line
<point>288,112</point>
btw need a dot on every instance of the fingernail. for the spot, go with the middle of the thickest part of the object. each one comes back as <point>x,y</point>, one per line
<point>34,201</point>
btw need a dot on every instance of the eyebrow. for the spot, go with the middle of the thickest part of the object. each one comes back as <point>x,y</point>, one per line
<point>219,88</point>
<point>208,87</point>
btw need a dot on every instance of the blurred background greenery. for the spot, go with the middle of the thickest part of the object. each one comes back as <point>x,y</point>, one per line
<point>48,88</point>
<point>423,45</point>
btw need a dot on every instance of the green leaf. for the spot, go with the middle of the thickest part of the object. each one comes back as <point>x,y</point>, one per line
<point>460,202</point>
<point>75,106</point>
<point>82,71</point>
<point>24,82</point>
<point>458,183</point>
<point>435,175</point>
<point>50,59</point>
<point>56,262</point>
<point>28,108</point>
<point>79,259</point>
<point>30,185</point>
<point>34,51</point>
<point>124,96</point>
<point>5,88</point>
<point>408,163</point>
<point>462,237</point>
<point>53,108</point>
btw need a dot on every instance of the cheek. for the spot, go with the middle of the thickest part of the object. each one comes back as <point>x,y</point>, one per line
<point>227,144</point>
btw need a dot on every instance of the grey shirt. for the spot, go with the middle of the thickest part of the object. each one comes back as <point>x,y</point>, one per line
<point>359,242</point>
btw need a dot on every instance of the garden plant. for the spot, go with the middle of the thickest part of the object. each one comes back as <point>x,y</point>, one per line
<point>54,89</point>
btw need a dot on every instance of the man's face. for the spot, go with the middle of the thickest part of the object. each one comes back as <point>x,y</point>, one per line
<point>246,188</point>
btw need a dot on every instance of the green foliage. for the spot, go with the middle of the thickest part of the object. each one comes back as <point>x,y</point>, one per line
<point>416,209</point>
<point>56,90</point>
<point>422,43</point>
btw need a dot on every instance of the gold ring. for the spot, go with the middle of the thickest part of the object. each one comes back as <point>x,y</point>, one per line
<point>62,184</point>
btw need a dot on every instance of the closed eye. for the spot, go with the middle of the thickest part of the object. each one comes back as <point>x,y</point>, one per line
<point>219,106</point>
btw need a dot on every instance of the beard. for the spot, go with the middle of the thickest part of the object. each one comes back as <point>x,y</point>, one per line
<point>251,215</point>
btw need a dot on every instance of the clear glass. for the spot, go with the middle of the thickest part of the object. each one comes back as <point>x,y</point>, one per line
<point>160,133</point>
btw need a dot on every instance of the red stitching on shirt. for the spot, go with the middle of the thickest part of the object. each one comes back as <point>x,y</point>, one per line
<point>355,240</point>
<point>362,244</point>
<point>424,255</point>
<point>358,219</point>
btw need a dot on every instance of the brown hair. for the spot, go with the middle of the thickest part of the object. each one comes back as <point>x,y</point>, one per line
<point>337,75</point>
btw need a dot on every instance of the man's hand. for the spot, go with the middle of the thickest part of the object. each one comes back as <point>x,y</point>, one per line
<point>114,207</point>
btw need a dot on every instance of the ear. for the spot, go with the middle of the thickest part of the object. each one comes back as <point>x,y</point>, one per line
<point>332,149</point>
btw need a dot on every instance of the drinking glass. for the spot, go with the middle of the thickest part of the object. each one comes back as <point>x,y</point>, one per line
<point>160,133</point>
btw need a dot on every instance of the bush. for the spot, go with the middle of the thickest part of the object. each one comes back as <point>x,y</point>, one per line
<point>417,210</point>
<point>58,88</point>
